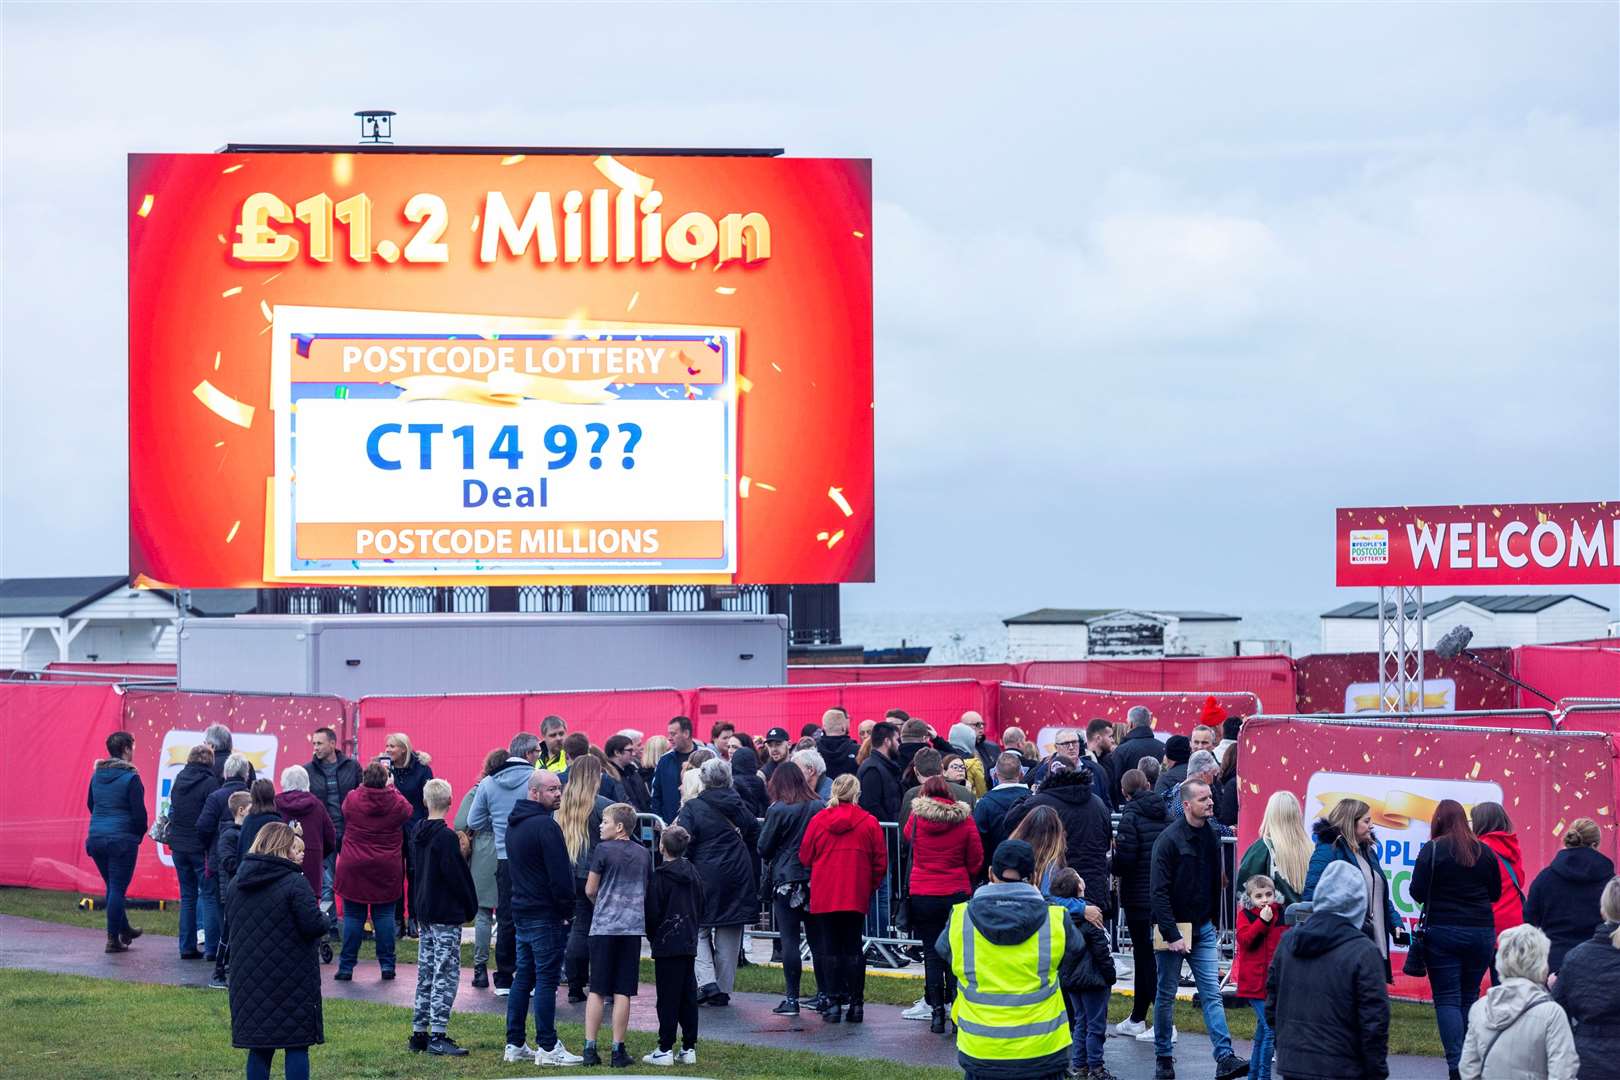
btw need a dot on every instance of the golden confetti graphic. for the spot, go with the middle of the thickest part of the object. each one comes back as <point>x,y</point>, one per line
<point>631,306</point>
<point>342,168</point>
<point>223,405</point>
<point>232,534</point>
<point>230,292</point>
<point>837,496</point>
<point>725,290</point>
<point>219,444</point>
<point>763,486</point>
<point>621,175</point>
<point>778,370</point>
<point>264,307</point>
<point>742,487</point>
<point>834,538</point>
<point>512,159</point>
<point>146,206</point>
<point>744,383</point>
<point>859,235</point>
<point>271,278</point>
<point>475,223</point>
<point>216,361</point>
<point>229,169</point>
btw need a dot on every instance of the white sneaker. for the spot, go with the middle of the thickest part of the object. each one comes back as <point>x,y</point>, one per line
<point>687,1057</point>
<point>660,1057</point>
<point>502,991</point>
<point>920,1011</point>
<point>1147,1036</point>
<point>518,1053</point>
<point>1132,1029</point>
<point>557,1055</point>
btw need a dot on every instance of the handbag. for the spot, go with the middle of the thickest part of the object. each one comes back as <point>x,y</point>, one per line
<point>160,828</point>
<point>1416,964</point>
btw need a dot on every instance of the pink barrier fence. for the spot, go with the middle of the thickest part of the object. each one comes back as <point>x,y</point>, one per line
<point>817,675</point>
<point>1046,708</point>
<point>458,730</point>
<point>1269,679</point>
<point>1568,670</point>
<point>756,710</point>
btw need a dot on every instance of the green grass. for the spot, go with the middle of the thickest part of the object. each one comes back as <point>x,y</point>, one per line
<point>1411,1029</point>
<point>69,1026</point>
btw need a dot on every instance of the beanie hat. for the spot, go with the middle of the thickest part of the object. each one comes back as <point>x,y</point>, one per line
<point>1014,855</point>
<point>1178,748</point>
<point>1212,715</point>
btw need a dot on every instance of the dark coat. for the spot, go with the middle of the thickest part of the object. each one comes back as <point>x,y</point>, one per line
<point>745,778</point>
<point>989,753</point>
<point>116,800</point>
<point>674,908</point>
<point>187,795</point>
<point>409,779</point>
<point>371,866</point>
<point>1326,1000</point>
<point>1169,778</point>
<point>1095,970</point>
<point>1102,779</point>
<point>990,813</point>
<point>1226,801</point>
<point>1137,744</point>
<point>881,789</point>
<point>666,785</point>
<point>320,836</point>
<point>724,850</point>
<point>1453,894</point>
<point>275,983</point>
<point>1141,820</point>
<point>634,790</point>
<point>1588,988</point>
<point>225,857</point>
<point>1564,899</point>
<point>838,751</point>
<point>444,890</point>
<point>1087,826</point>
<point>348,778</point>
<point>216,814</point>
<point>1185,885</point>
<point>537,859</point>
<point>250,831</point>
<point>780,837</point>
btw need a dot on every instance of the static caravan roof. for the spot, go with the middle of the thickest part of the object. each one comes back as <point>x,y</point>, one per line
<point>1510,604</point>
<point>1077,616</point>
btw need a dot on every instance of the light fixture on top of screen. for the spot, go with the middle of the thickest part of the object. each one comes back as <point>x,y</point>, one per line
<point>376,126</point>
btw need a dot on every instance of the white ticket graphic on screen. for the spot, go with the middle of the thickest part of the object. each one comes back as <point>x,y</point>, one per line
<point>414,444</point>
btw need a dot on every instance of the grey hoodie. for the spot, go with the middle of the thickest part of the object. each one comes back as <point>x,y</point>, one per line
<point>1525,1033</point>
<point>496,795</point>
<point>1341,891</point>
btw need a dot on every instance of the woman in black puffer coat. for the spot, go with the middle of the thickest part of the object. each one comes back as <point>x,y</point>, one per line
<point>275,979</point>
<point>1588,987</point>
<point>792,806</point>
<point>199,896</point>
<point>1087,825</point>
<point>724,851</point>
<point>1141,820</point>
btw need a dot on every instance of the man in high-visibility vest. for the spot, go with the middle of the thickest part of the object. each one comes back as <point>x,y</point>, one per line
<point>1008,949</point>
<point>553,729</point>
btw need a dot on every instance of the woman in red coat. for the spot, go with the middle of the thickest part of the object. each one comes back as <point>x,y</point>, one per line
<point>844,849</point>
<point>371,866</point>
<point>1494,828</point>
<point>946,854</point>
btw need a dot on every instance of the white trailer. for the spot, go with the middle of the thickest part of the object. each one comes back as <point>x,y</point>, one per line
<point>356,655</point>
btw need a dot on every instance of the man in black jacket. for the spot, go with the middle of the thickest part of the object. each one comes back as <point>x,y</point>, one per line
<point>1185,890</point>
<point>988,752</point>
<point>542,902</point>
<point>621,754</point>
<point>880,773</point>
<point>332,775</point>
<point>835,746</point>
<point>1087,829</point>
<point>1325,993</point>
<point>1177,751</point>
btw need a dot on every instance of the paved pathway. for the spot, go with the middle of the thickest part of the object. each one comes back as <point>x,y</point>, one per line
<point>42,946</point>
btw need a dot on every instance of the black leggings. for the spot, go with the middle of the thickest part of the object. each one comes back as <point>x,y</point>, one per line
<point>790,923</point>
<point>577,952</point>
<point>1146,967</point>
<point>929,917</point>
<point>675,980</point>
<point>841,935</point>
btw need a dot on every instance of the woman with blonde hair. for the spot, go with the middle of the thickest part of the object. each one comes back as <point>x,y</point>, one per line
<point>579,816</point>
<point>1516,1031</point>
<point>1344,834</point>
<point>1588,986</point>
<point>1564,899</point>
<point>1282,851</point>
<point>275,984</point>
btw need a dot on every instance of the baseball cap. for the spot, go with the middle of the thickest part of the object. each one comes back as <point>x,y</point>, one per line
<point>1014,855</point>
<point>776,734</point>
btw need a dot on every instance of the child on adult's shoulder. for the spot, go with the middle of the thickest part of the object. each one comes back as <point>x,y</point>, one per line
<point>1090,984</point>
<point>674,901</point>
<point>226,859</point>
<point>444,899</point>
<point>1260,928</point>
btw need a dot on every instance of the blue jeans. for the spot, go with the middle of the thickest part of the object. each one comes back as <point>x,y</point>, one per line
<point>114,856</point>
<point>1458,958</point>
<point>199,904</point>
<point>354,928</point>
<point>540,944</point>
<point>294,1060</point>
<point>1090,1028</point>
<point>1265,1043</point>
<point>1205,961</point>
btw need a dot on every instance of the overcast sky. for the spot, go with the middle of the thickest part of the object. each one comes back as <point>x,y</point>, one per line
<point>1252,262</point>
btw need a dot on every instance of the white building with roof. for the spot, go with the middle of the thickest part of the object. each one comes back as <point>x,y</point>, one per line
<point>1086,633</point>
<point>1501,621</point>
<point>98,619</point>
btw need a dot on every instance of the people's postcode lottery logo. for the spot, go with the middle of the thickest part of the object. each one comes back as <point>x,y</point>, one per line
<point>1369,546</point>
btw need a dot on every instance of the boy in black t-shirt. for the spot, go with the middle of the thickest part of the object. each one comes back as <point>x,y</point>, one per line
<point>617,883</point>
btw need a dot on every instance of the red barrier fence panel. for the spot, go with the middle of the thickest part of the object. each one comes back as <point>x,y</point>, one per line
<point>1561,671</point>
<point>1042,710</point>
<point>815,675</point>
<point>82,671</point>
<point>52,734</point>
<point>1545,781</point>
<point>1577,715</point>
<point>758,709</point>
<point>458,730</point>
<point>271,730</point>
<point>1348,683</point>
<point>1269,678</point>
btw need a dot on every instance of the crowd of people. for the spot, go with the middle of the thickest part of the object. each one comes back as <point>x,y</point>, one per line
<point>1012,865</point>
